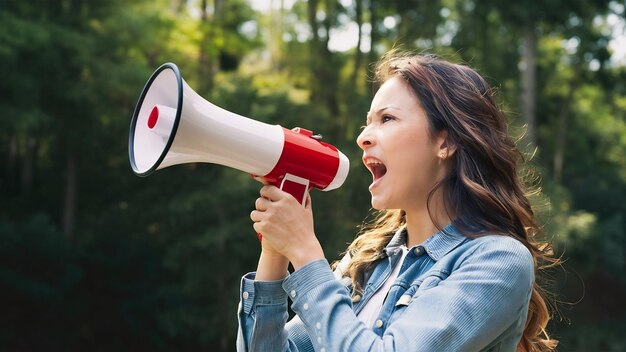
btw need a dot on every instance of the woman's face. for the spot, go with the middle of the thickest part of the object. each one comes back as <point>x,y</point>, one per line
<point>404,160</point>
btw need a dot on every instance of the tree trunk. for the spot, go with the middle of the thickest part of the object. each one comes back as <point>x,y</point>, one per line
<point>330,9</point>
<point>203,56</point>
<point>208,59</point>
<point>276,31</point>
<point>180,6</point>
<point>316,55</point>
<point>314,47</point>
<point>218,10</point>
<point>372,55</point>
<point>529,83</point>
<point>12,163</point>
<point>69,204</point>
<point>27,165</point>
<point>561,138</point>
<point>323,64</point>
<point>330,69</point>
<point>312,17</point>
<point>358,55</point>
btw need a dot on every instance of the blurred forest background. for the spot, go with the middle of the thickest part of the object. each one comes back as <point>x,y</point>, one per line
<point>94,258</point>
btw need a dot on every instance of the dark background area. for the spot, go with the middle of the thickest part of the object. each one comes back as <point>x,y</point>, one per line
<point>94,258</point>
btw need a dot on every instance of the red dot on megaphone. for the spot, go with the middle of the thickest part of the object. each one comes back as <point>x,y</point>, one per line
<point>154,116</point>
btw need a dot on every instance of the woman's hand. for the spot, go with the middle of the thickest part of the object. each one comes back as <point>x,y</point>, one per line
<point>286,226</point>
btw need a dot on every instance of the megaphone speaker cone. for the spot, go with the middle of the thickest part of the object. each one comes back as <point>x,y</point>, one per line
<point>155,119</point>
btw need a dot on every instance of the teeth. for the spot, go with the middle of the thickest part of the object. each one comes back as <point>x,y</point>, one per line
<point>376,167</point>
<point>369,161</point>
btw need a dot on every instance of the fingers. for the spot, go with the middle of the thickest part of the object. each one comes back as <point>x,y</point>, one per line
<point>272,193</point>
<point>260,219</point>
<point>272,205</point>
<point>257,227</point>
<point>262,204</point>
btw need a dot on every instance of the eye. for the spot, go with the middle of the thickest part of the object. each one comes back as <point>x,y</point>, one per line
<point>387,118</point>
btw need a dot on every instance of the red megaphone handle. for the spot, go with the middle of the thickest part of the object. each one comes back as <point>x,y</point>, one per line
<point>298,187</point>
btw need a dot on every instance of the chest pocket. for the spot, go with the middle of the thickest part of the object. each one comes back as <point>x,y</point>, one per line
<point>422,284</point>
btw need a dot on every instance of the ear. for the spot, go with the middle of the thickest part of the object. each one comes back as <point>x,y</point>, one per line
<point>445,147</point>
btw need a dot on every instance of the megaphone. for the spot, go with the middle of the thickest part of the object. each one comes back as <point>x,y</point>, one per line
<point>172,125</point>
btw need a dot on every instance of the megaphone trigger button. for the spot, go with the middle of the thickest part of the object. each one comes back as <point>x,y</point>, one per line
<point>302,131</point>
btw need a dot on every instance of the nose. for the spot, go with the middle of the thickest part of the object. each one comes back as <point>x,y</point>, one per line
<point>365,138</point>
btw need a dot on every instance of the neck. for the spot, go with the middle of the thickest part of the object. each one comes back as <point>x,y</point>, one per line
<point>420,225</point>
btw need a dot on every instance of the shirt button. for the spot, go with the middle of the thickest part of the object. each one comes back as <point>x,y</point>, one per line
<point>356,298</point>
<point>379,323</point>
<point>245,295</point>
<point>419,250</point>
<point>305,306</point>
<point>293,293</point>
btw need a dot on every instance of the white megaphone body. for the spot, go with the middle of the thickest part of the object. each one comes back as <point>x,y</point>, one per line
<point>172,125</point>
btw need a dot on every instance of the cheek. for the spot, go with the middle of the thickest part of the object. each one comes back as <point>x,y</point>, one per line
<point>413,148</point>
<point>415,161</point>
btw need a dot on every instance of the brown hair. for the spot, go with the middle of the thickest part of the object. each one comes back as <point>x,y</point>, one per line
<point>483,190</point>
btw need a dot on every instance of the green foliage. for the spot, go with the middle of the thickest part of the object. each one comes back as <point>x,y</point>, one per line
<point>94,258</point>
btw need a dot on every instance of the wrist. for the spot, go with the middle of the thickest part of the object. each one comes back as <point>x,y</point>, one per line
<point>306,254</point>
<point>272,266</point>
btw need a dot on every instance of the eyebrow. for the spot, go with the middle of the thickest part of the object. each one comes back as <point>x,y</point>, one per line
<point>379,111</point>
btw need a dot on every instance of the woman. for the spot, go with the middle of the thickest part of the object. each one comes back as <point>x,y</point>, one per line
<point>448,266</point>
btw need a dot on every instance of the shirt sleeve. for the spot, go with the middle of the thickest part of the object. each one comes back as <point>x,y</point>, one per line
<point>262,315</point>
<point>466,311</point>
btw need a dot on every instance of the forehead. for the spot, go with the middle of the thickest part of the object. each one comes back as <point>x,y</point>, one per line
<point>394,92</point>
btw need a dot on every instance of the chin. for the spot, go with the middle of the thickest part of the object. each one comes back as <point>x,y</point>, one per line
<point>377,204</point>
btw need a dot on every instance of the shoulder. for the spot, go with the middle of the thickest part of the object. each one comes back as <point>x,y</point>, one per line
<point>500,246</point>
<point>496,255</point>
<point>499,242</point>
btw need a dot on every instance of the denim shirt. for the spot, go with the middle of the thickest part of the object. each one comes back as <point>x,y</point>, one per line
<point>452,294</point>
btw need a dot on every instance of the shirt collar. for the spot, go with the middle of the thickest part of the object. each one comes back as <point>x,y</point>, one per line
<point>437,245</point>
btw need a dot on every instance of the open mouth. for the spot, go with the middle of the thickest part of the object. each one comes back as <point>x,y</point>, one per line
<point>376,167</point>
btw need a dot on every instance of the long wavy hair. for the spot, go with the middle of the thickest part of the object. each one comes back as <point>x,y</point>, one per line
<point>484,189</point>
